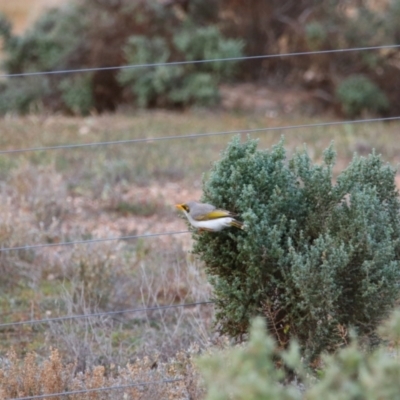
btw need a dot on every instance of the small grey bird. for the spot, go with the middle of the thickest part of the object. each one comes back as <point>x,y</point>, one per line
<point>207,217</point>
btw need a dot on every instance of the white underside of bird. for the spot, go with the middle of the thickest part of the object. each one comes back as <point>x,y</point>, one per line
<point>206,217</point>
<point>215,225</point>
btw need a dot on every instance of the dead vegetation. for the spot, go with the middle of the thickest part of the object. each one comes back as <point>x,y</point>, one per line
<point>100,192</point>
<point>148,378</point>
<point>108,191</point>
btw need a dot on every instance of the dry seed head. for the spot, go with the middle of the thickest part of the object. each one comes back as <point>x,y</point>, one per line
<point>30,375</point>
<point>51,374</point>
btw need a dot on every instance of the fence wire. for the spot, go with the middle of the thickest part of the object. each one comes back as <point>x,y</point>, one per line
<point>100,389</point>
<point>147,140</point>
<point>198,135</point>
<point>176,63</point>
<point>90,241</point>
<point>102,314</point>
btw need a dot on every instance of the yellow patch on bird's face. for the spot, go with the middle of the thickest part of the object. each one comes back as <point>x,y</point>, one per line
<point>182,207</point>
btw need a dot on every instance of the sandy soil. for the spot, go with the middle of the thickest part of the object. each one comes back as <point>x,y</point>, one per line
<point>24,12</point>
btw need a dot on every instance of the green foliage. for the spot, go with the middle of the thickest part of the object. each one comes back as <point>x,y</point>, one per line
<point>269,28</point>
<point>179,85</point>
<point>208,44</point>
<point>355,374</point>
<point>73,37</point>
<point>48,45</point>
<point>355,24</point>
<point>249,372</point>
<point>22,95</point>
<point>358,93</point>
<point>252,372</point>
<point>197,88</point>
<point>149,85</point>
<point>316,258</point>
<point>77,94</point>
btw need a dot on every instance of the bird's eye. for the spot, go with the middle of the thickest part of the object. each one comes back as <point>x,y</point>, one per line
<point>186,208</point>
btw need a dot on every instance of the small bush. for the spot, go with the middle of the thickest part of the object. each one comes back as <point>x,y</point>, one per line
<point>77,94</point>
<point>208,43</point>
<point>52,43</point>
<point>254,371</point>
<point>140,32</point>
<point>358,93</point>
<point>149,85</point>
<point>48,44</point>
<point>179,85</point>
<point>197,88</point>
<point>250,372</point>
<point>316,258</point>
<point>23,95</point>
<point>354,373</point>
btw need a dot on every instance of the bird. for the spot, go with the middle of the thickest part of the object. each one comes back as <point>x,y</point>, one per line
<point>206,217</point>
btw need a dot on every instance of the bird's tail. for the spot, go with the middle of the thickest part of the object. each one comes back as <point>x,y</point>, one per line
<point>237,224</point>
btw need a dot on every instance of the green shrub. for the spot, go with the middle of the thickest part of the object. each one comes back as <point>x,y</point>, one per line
<point>149,85</point>
<point>209,44</point>
<point>23,95</point>
<point>249,372</point>
<point>77,94</point>
<point>254,371</point>
<point>197,88</point>
<point>179,85</point>
<point>358,93</point>
<point>140,32</point>
<point>50,44</point>
<point>316,258</point>
<point>356,374</point>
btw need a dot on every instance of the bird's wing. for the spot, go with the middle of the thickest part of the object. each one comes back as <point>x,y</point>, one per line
<point>201,210</point>
<point>214,214</point>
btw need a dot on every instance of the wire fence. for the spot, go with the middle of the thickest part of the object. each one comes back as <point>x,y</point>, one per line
<point>165,138</point>
<point>99,314</point>
<point>150,235</point>
<point>99,389</point>
<point>90,241</point>
<point>177,63</point>
<point>199,135</point>
<point>102,314</point>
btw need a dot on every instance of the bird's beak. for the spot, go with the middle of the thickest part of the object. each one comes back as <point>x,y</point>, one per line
<point>180,207</point>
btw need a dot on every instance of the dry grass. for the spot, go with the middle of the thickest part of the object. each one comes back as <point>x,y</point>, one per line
<point>116,190</point>
<point>107,191</point>
<point>27,377</point>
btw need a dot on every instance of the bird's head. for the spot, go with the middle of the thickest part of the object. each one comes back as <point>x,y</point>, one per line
<point>183,207</point>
